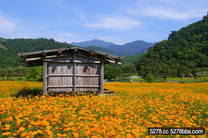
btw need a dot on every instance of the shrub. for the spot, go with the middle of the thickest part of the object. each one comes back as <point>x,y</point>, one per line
<point>149,78</point>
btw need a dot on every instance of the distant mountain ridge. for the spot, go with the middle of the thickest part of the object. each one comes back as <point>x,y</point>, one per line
<point>128,49</point>
<point>94,42</point>
<point>100,49</point>
<point>132,48</point>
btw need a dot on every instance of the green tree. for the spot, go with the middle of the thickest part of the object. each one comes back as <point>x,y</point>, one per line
<point>149,77</point>
<point>35,73</point>
<point>111,72</point>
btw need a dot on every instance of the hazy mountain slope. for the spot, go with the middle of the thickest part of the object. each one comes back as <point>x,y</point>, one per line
<point>106,50</point>
<point>94,42</point>
<point>133,48</point>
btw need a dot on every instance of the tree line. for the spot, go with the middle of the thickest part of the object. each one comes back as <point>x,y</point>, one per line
<point>22,73</point>
<point>36,73</point>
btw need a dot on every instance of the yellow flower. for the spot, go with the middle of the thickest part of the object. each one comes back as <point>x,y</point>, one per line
<point>48,127</point>
<point>23,134</point>
<point>21,129</point>
<point>6,133</point>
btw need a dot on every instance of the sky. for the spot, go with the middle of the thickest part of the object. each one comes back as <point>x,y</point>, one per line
<point>118,21</point>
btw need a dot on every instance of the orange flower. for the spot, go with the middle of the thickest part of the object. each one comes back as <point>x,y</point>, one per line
<point>6,133</point>
<point>129,113</point>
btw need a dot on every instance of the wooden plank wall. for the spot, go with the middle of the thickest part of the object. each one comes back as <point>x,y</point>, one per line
<point>60,74</point>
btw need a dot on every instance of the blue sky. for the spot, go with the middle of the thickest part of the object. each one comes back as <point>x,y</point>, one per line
<point>118,21</point>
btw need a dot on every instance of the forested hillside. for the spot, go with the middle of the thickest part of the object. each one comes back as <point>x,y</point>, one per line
<point>9,48</point>
<point>130,60</point>
<point>183,54</point>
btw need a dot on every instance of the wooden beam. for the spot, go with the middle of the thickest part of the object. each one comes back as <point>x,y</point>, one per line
<point>77,86</point>
<point>71,75</point>
<point>113,62</point>
<point>67,86</point>
<point>76,61</point>
<point>55,52</point>
<point>87,86</point>
<point>45,79</point>
<point>88,57</point>
<point>33,59</point>
<point>101,76</point>
<point>44,54</point>
<point>119,59</point>
<point>92,53</point>
<point>75,50</point>
<point>74,73</point>
<point>105,56</point>
<point>23,57</point>
<point>87,75</point>
<point>91,62</point>
<point>59,52</point>
<point>60,75</point>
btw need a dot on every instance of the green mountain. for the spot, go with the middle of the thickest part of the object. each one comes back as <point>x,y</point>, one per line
<point>181,54</point>
<point>9,48</point>
<point>132,48</point>
<point>130,60</point>
<point>106,50</point>
<point>128,49</point>
<point>94,42</point>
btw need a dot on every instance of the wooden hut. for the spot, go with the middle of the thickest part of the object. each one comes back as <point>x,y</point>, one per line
<point>72,69</point>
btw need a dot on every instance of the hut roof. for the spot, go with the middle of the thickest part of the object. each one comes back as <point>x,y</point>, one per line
<point>36,58</point>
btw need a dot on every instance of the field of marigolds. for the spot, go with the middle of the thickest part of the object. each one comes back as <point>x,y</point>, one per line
<point>129,113</point>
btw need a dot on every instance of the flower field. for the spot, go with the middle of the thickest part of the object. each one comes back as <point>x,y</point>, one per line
<point>134,108</point>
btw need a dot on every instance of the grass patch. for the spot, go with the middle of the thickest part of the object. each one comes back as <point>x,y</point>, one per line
<point>188,80</point>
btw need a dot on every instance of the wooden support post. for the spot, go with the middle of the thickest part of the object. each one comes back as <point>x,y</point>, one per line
<point>74,73</point>
<point>45,77</point>
<point>101,75</point>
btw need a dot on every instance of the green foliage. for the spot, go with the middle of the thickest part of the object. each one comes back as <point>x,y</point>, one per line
<point>35,73</point>
<point>128,70</point>
<point>178,56</point>
<point>9,48</point>
<point>149,77</point>
<point>130,60</point>
<point>111,72</point>
<point>187,80</point>
<point>117,73</point>
<point>8,73</point>
<point>19,73</point>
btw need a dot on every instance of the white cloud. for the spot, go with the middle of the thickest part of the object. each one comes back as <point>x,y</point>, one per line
<point>119,23</point>
<point>169,9</point>
<point>6,24</point>
<point>171,13</point>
